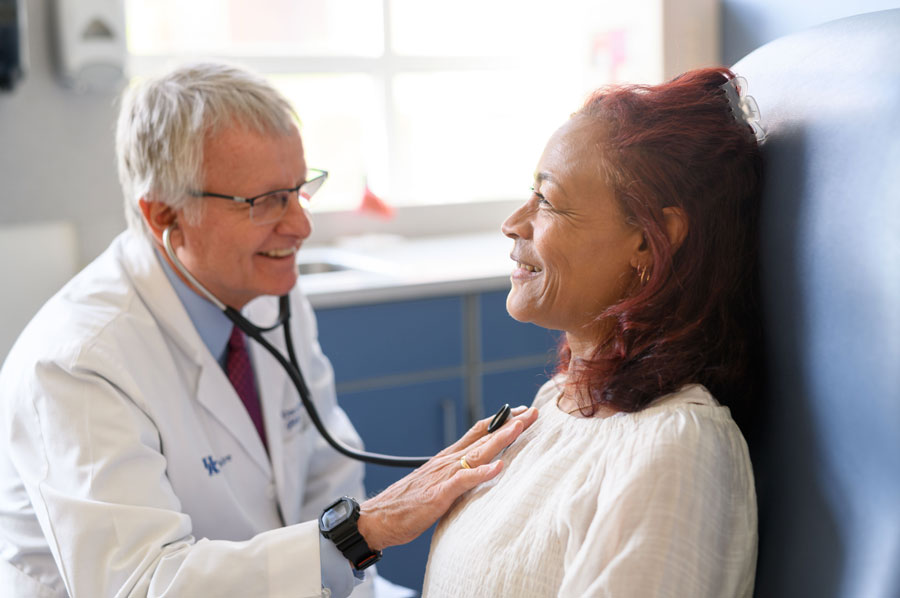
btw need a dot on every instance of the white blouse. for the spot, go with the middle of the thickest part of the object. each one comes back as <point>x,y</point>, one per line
<point>655,503</point>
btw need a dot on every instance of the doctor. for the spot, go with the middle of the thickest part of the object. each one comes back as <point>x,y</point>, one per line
<point>146,447</point>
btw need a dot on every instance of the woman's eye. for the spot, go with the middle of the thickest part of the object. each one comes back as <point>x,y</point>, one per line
<point>540,198</point>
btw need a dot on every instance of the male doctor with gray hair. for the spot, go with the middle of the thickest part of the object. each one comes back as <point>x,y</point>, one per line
<point>147,448</point>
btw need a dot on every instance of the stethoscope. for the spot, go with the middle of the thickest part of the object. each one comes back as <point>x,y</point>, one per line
<point>292,366</point>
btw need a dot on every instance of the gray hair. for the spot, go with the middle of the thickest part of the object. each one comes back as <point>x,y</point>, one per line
<point>164,120</point>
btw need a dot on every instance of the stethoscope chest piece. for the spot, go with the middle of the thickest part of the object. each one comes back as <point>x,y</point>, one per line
<point>499,418</point>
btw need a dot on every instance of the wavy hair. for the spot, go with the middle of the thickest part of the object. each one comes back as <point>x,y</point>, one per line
<point>696,319</point>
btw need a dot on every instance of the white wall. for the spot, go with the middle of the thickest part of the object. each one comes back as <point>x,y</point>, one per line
<point>59,195</point>
<point>35,273</point>
<point>57,159</point>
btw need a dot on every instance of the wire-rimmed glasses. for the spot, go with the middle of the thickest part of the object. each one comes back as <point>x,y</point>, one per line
<point>270,206</point>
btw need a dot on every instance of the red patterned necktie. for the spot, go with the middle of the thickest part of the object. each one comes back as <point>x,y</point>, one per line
<point>240,374</point>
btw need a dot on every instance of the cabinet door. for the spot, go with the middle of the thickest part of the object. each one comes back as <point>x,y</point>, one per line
<point>412,420</point>
<point>392,339</point>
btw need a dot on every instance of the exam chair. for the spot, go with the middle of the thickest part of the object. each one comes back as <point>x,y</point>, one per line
<point>827,452</point>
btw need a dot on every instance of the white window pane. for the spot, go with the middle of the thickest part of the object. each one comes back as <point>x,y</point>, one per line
<point>461,28</point>
<point>342,132</point>
<point>467,136</point>
<point>255,27</point>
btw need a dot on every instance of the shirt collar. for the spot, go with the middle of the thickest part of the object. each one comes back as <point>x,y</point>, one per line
<point>211,323</point>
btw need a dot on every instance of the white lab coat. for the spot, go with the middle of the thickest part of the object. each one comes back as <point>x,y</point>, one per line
<point>128,464</point>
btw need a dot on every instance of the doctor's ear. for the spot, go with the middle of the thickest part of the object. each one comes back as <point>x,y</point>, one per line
<point>158,216</point>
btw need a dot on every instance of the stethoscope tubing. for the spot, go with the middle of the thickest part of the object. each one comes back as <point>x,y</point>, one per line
<point>292,368</point>
<point>290,365</point>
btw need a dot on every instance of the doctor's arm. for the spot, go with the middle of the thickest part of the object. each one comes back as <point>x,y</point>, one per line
<point>91,461</point>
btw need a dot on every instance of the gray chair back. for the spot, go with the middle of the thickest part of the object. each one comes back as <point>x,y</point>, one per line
<point>828,456</point>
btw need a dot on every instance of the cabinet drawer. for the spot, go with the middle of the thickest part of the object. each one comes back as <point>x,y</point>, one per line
<point>372,341</point>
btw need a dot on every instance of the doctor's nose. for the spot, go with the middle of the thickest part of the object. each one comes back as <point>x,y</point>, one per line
<point>295,220</point>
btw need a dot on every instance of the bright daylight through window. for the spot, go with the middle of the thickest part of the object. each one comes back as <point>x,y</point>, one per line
<point>429,102</point>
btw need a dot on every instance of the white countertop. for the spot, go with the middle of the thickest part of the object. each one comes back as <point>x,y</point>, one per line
<point>387,268</point>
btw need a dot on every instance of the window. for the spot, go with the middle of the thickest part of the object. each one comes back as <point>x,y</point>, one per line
<point>426,101</point>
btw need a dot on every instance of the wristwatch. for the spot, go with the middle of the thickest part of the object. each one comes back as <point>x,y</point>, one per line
<point>338,524</point>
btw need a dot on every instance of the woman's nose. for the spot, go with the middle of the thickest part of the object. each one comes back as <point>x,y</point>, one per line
<point>516,226</point>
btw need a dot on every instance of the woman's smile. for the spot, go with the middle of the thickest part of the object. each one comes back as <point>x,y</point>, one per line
<point>525,271</point>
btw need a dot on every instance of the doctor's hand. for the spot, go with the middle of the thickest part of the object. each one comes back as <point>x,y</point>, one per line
<point>410,505</point>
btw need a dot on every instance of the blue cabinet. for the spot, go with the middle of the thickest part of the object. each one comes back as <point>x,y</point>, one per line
<point>503,338</point>
<point>410,420</point>
<point>414,375</point>
<point>515,358</point>
<point>369,342</point>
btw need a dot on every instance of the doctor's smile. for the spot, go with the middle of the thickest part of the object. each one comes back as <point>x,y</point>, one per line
<point>280,253</point>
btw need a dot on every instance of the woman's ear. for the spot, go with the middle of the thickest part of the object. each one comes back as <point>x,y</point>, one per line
<point>157,215</point>
<point>676,226</point>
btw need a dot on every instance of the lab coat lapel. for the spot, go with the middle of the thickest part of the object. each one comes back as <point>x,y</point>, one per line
<point>218,396</point>
<point>271,381</point>
<point>214,391</point>
<point>278,396</point>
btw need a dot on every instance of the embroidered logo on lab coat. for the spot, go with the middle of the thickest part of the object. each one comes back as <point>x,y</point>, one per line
<point>212,464</point>
<point>291,417</point>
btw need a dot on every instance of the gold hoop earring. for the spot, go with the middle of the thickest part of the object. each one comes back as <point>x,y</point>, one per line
<point>643,274</point>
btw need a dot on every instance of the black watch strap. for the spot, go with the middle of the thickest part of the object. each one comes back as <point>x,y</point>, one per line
<point>338,523</point>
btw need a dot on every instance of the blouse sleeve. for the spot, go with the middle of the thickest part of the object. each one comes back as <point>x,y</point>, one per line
<point>675,515</point>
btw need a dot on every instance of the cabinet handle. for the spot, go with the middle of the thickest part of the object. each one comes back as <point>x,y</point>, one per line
<point>448,409</point>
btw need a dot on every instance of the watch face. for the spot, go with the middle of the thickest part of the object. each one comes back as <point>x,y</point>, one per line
<point>335,515</point>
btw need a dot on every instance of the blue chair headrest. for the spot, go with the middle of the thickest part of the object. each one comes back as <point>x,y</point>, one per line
<point>828,458</point>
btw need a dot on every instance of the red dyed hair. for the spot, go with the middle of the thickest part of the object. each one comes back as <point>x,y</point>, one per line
<point>695,320</point>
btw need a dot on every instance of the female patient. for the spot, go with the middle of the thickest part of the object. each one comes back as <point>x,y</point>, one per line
<point>638,241</point>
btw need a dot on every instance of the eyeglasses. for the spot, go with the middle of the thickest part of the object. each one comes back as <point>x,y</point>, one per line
<point>270,206</point>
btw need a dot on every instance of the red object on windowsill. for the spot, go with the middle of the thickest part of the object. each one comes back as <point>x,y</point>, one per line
<point>373,205</point>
